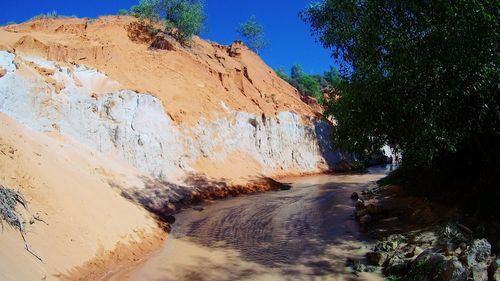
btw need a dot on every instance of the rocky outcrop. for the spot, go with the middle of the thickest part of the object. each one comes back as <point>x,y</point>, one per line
<point>235,49</point>
<point>162,42</point>
<point>477,258</point>
<point>494,270</point>
<point>407,255</point>
<point>434,250</point>
<point>87,107</point>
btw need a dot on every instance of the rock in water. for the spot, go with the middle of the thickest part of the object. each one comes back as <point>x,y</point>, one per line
<point>373,209</point>
<point>454,271</point>
<point>365,219</point>
<point>494,270</point>
<point>479,251</point>
<point>477,258</point>
<point>354,196</point>
<point>376,258</point>
<point>396,265</point>
<point>480,272</point>
<point>360,204</point>
<point>428,266</point>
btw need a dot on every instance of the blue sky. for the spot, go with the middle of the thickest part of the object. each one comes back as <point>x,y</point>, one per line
<point>290,38</point>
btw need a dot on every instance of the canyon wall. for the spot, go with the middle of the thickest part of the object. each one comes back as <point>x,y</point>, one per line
<point>73,101</point>
<point>96,126</point>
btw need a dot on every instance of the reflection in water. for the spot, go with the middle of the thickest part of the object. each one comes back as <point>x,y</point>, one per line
<point>305,233</point>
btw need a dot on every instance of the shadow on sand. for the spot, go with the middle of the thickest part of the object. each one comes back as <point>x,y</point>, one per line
<point>164,198</point>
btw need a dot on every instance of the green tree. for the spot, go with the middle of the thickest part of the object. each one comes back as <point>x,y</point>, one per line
<point>311,87</point>
<point>182,18</point>
<point>306,84</point>
<point>423,77</point>
<point>253,33</point>
<point>123,12</point>
<point>146,10</point>
<point>282,74</point>
<point>332,77</point>
<point>296,72</point>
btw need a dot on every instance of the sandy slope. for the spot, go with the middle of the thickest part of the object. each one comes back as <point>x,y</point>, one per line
<point>191,82</point>
<point>67,186</point>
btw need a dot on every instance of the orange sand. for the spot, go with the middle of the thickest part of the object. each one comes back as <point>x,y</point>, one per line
<point>191,81</point>
<point>67,186</point>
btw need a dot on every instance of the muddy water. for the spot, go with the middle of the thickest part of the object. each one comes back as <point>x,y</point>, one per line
<point>305,233</point>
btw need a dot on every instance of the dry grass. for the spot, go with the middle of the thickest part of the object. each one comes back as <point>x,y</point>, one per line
<point>9,199</point>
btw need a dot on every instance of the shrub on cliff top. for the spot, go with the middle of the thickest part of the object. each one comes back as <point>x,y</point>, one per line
<point>282,74</point>
<point>311,85</point>
<point>146,10</point>
<point>123,12</point>
<point>51,15</point>
<point>253,33</point>
<point>182,18</point>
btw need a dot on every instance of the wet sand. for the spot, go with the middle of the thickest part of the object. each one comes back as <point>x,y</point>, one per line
<point>305,233</point>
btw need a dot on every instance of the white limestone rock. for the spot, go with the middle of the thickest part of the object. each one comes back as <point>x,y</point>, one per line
<point>136,128</point>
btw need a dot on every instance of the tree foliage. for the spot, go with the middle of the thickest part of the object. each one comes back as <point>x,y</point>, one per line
<point>52,15</point>
<point>311,85</point>
<point>422,76</point>
<point>332,77</point>
<point>182,18</point>
<point>282,74</point>
<point>146,10</point>
<point>253,33</point>
<point>123,12</point>
<point>306,84</point>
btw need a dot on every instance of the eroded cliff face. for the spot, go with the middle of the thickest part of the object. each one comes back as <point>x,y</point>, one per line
<point>190,81</point>
<point>85,104</point>
<point>87,110</point>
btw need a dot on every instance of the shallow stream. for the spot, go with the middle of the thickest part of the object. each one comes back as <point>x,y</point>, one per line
<point>305,233</point>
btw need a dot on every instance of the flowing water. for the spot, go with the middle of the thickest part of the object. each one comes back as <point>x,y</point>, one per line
<point>305,233</point>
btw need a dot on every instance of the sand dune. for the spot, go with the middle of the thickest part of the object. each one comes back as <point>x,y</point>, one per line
<point>66,185</point>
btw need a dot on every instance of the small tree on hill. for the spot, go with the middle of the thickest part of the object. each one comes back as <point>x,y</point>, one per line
<point>282,74</point>
<point>146,10</point>
<point>306,84</point>
<point>182,18</point>
<point>123,12</point>
<point>311,85</point>
<point>332,77</point>
<point>253,33</point>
